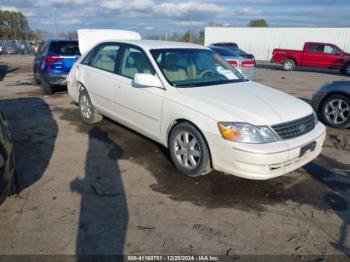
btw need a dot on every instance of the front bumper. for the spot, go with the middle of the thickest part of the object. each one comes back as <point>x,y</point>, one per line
<point>55,79</point>
<point>264,161</point>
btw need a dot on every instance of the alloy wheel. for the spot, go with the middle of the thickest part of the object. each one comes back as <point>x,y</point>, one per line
<point>85,107</point>
<point>288,65</point>
<point>187,150</point>
<point>337,111</point>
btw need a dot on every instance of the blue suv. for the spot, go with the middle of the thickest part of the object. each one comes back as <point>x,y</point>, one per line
<point>53,61</point>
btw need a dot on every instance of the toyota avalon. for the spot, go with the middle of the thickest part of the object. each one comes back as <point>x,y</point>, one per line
<point>189,99</point>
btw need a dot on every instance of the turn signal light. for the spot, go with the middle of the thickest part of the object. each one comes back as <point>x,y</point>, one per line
<point>230,132</point>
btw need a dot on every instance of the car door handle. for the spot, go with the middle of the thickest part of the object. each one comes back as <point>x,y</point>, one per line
<point>117,86</point>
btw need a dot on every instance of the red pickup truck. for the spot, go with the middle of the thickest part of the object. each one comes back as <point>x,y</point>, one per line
<point>315,55</point>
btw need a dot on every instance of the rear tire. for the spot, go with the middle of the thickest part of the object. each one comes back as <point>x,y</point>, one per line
<point>46,88</point>
<point>36,75</point>
<point>190,155</point>
<point>288,64</point>
<point>346,69</point>
<point>330,110</point>
<point>87,110</point>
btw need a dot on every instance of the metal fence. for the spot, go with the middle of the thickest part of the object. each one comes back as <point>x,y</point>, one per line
<point>262,41</point>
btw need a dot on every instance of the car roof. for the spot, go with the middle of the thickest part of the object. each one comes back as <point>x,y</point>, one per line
<point>61,40</point>
<point>225,49</point>
<point>319,43</point>
<point>158,44</point>
<point>225,43</point>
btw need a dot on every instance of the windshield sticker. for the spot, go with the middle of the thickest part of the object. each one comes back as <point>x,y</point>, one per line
<point>227,73</point>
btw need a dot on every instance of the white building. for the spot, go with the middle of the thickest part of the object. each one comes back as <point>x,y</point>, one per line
<point>261,41</point>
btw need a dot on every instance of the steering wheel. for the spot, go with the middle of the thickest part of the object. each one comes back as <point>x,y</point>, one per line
<point>206,72</point>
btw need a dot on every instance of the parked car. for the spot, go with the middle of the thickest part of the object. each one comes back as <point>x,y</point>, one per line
<point>332,102</point>
<point>8,182</point>
<point>53,61</point>
<point>314,55</point>
<point>2,47</point>
<point>243,65</point>
<point>205,112</point>
<point>234,47</point>
<point>10,48</point>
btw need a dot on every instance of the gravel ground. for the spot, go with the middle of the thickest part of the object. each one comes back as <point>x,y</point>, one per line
<point>105,189</point>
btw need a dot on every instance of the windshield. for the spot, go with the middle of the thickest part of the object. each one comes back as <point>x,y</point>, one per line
<point>195,67</point>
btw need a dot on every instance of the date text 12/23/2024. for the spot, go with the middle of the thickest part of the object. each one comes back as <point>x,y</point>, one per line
<point>173,258</point>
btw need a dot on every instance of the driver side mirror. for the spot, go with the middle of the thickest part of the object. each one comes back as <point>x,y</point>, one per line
<point>147,80</point>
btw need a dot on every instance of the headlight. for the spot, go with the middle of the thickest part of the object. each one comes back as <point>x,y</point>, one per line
<point>246,133</point>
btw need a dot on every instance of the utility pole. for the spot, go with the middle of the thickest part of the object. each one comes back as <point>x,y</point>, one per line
<point>191,22</point>
<point>54,21</point>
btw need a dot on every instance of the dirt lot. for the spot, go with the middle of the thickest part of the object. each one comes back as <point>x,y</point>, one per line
<point>106,190</point>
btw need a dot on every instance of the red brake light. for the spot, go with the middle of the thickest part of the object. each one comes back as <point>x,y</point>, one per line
<point>233,63</point>
<point>248,63</point>
<point>53,58</point>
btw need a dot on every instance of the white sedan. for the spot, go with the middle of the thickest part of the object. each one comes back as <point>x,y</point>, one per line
<point>187,98</point>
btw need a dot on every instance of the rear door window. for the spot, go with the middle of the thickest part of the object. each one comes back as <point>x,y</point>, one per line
<point>105,57</point>
<point>64,48</point>
<point>316,48</point>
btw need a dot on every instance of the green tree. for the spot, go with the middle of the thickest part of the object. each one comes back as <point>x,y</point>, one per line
<point>13,25</point>
<point>258,23</point>
<point>186,37</point>
<point>201,37</point>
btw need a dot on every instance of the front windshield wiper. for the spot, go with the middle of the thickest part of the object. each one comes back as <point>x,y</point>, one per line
<point>219,82</point>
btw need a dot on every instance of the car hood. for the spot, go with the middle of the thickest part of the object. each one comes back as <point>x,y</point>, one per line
<point>246,102</point>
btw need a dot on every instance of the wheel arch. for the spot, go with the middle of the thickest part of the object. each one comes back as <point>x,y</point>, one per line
<point>290,58</point>
<point>345,65</point>
<point>183,120</point>
<point>79,87</point>
<point>329,95</point>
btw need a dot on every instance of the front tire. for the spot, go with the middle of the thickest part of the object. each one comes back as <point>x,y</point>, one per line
<point>335,111</point>
<point>189,151</point>
<point>288,64</point>
<point>87,110</point>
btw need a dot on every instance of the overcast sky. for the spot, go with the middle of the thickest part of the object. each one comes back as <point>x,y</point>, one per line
<point>155,16</point>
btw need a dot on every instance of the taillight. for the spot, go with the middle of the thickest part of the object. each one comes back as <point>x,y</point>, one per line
<point>53,58</point>
<point>249,63</point>
<point>233,62</point>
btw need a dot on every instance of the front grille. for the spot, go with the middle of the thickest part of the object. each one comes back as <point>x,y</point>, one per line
<point>295,128</point>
